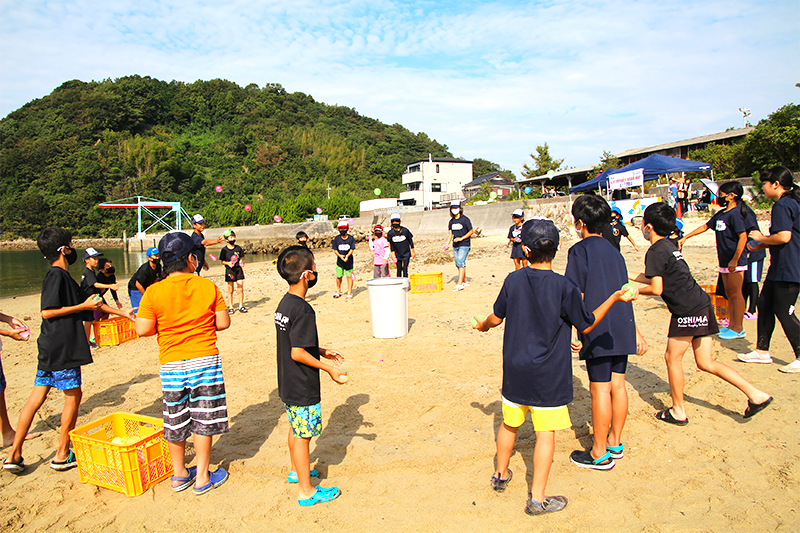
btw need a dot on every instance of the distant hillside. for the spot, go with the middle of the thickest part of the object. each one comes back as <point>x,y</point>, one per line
<point>87,143</point>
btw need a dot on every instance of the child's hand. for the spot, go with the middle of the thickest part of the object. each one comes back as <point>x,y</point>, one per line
<point>732,266</point>
<point>641,344</point>
<point>481,325</point>
<point>130,314</point>
<point>624,295</point>
<point>119,304</point>
<point>575,345</point>
<point>19,334</point>
<point>333,355</point>
<point>115,287</point>
<point>338,375</point>
<point>755,235</point>
<point>91,304</point>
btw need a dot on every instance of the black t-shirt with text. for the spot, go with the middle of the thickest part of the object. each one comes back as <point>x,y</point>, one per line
<point>460,227</point>
<point>599,270</point>
<point>516,247</point>
<point>614,233</point>
<point>401,242</point>
<point>539,307</point>
<point>296,327</point>
<point>727,226</point>
<point>681,293</point>
<point>88,279</point>
<point>784,259</point>
<point>62,342</point>
<point>343,245</point>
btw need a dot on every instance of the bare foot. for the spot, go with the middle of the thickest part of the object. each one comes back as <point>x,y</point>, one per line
<point>8,441</point>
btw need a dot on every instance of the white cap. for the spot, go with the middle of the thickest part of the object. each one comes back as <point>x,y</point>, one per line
<point>197,219</point>
<point>395,216</point>
<point>518,213</point>
<point>455,203</point>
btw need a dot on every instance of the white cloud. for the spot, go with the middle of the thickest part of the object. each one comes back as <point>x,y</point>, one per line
<point>492,80</point>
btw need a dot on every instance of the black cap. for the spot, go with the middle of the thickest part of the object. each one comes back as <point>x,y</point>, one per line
<point>174,245</point>
<point>539,229</point>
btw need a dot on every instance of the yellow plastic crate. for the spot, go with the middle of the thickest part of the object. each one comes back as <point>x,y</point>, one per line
<point>114,331</point>
<point>720,304</point>
<point>426,282</point>
<point>130,468</point>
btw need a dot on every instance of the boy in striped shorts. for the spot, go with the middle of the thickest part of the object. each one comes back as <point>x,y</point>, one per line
<point>186,311</point>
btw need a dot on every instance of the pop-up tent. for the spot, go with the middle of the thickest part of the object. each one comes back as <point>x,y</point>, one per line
<point>653,166</point>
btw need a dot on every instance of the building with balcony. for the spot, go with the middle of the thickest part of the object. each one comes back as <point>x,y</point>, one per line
<point>435,181</point>
<point>492,182</point>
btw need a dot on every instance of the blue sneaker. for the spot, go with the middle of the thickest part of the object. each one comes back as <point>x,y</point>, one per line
<point>729,334</point>
<point>722,330</point>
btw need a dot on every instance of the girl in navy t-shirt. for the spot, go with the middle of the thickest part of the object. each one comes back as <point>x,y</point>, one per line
<point>779,292</point>
<point>514,232</point>
<point>459,231</point>
<point>731,237</point>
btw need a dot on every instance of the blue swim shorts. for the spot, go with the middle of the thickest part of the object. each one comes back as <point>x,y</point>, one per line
<point>306,420</point>
<point>60,379</point>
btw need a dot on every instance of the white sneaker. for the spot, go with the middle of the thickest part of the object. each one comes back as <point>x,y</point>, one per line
<point>792,367</point>
<point>458,288</point>
<point>755,357</point>
<point>465,284</point>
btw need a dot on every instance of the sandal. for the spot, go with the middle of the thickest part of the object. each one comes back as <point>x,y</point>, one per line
<point>320,496</point>
<point>336,295</point>
<point>215,479</point>
<point>70,462</point>
<point>243,309</point>
<point>616,452</point>
<point>292,477</point>
<point>186,482</point>
<point>14,468</point>
<point>584,459</point>
<point>666,416</point>
<point>499,484</point>
<point>349,297</point>
<point>231,311</point>
<point>754,408</point>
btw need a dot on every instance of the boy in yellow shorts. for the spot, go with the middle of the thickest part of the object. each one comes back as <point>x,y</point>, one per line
<point>537,365</point>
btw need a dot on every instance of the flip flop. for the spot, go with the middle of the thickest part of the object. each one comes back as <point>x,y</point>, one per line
<point>616,452</point>
<point>754,408</point>
<point>14,468</point>
<point>215,479</point>
<point>666,416</point>
<point>186,482</point>
<point>321,496</point>
<point>71,462</point>
<point>292,477</point>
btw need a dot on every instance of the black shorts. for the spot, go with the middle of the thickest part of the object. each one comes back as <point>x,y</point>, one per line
<point>701,324</point>
<point>234,274</point>
<point>600,368</point>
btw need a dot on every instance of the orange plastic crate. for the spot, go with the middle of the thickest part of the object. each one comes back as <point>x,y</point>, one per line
<point>720,304</point>
<point>114,331</point>
<point>426,282</point>
<point>130,468</point>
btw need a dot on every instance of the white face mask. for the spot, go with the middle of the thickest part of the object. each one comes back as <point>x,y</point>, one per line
<point>455,211</point>
<point>646,234</point>
<point>578,230</point>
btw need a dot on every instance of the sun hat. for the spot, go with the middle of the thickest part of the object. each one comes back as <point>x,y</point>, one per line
<point>175,244</point>
<point>91,252</point>
<point>152,251</point>
<point>539,229</point>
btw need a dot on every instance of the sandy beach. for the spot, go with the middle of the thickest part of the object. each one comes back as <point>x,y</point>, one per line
<point>410,440</point>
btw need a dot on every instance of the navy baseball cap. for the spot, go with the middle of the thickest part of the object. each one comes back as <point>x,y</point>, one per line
<point>539,229</point>
<point>91,252</point>
<point>174,245</point>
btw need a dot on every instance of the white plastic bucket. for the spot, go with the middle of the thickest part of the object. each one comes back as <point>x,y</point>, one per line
<point>388,307</point>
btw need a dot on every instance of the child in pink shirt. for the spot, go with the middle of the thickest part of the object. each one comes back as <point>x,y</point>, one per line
<point>380,248</point>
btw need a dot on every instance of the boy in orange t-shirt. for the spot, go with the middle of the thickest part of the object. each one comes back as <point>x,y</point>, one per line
<point>186,311</point>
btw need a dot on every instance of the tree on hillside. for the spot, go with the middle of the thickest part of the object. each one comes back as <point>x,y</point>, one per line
<point>542,163</point>
<point>776,140</point>
<point>728,161</point>
<point>483,166</point>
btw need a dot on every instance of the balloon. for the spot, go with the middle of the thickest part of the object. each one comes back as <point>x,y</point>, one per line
<point>377,192</point>
<point>247,207</point>
<point>492,195</point>
<point>527,190</point>
<point>277,219</point>
<point>350,222</point>
<point>319,210</point>
<point>218,188</point>
<point>550,174</point>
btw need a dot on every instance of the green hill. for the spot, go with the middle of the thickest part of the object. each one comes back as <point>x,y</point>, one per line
<point>87,143</point>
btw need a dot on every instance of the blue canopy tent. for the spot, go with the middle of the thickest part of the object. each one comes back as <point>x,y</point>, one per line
<point>653,166</point>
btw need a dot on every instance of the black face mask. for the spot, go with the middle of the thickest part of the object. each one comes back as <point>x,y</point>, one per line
<point>156,261</point>
<point>72,256</point>
<point>722,201</point>
<point>302,243</point>
<point>378,234</point>
<point>110,270</point>
<point>395,225</point>
<point>312,282</point>
<point>232,242</point>
<point>342,232</point>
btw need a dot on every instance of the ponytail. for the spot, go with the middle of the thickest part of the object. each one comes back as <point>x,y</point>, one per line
<point>783,177</point>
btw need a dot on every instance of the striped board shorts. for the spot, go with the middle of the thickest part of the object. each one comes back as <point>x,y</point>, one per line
<point>194,398</point>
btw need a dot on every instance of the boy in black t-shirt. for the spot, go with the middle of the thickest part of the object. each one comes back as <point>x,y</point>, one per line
<point>344,246</point>
<point>537,367</point>
<point>615,230</point>
<point>231,256</point>
<point>90,284</point>
<point>299,364</point>
<point>106,274</point>
<point>693,321</point>
<point>63,347</point>
<point>599,270</point>
<point>147,274</point>
<point>401,242</point>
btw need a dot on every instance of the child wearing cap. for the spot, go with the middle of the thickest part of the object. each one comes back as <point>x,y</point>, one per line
<point>198,226</point>
<point>90,285</point>
<point>63,347</point>
<point>147,274</point>
<point>401,242</point>
<point>615,231</point>
<point>299,362</point>
<point>380,249</point>
<point>186,311</point>
<point>518,216</point>
<point>459,231</point>
<point>106,274</point>
<point>537,366</point>
<point>344,246</point>
<point>231,256</point>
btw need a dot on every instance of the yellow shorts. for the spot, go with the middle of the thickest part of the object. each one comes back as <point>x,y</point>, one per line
<point>543,418</point>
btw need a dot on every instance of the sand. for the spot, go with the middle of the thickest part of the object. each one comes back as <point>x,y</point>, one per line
<point>410,440</point>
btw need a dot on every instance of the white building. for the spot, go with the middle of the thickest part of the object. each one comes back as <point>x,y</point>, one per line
<point>435,181</point>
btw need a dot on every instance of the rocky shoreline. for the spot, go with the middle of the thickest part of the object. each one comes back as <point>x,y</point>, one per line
<point>28,244</point>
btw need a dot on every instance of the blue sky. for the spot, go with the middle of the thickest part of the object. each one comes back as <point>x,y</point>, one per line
<point>488,79</point>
